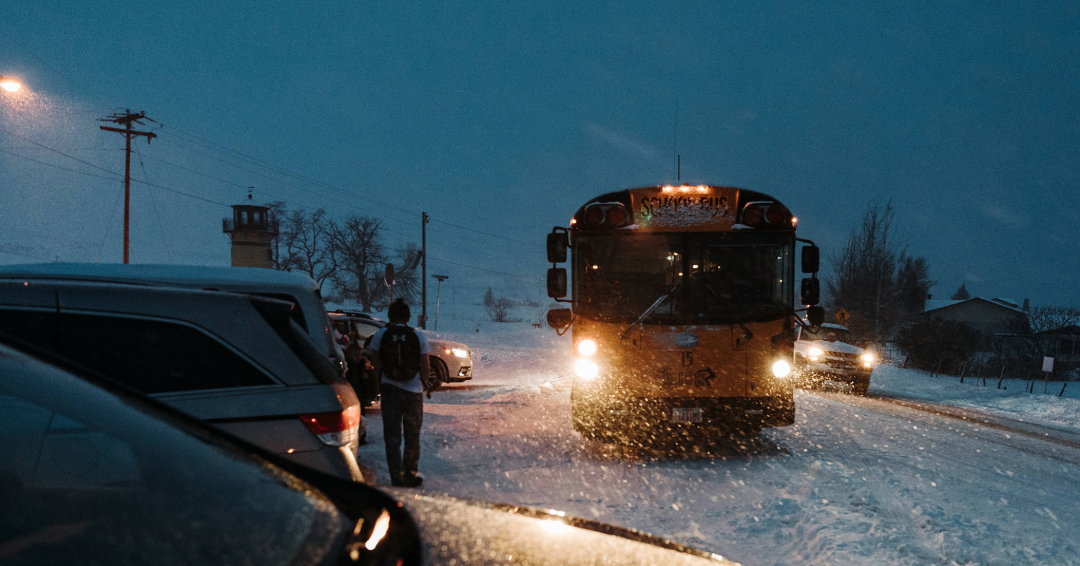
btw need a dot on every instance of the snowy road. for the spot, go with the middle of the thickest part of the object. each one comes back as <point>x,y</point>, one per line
<point>854,481</point>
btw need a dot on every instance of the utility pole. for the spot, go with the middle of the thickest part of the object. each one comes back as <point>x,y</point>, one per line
<point>423,269</point>
<point>438,292</point>
<point>127,119</point>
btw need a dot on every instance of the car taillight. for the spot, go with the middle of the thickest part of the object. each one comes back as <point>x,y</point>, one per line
<point>335,429</point>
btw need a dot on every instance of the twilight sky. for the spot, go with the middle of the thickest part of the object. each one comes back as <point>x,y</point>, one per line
<point>506,116</point>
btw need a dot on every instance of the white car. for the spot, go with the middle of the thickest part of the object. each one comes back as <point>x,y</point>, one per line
<point>450,361</point>
<point>828,355</point>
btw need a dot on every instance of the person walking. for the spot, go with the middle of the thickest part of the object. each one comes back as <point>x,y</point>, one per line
<point>401,358</point>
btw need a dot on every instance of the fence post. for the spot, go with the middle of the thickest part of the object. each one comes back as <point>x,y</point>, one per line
<point>1002,376</point>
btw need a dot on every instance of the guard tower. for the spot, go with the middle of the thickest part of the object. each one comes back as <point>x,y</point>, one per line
<point>251,233</point>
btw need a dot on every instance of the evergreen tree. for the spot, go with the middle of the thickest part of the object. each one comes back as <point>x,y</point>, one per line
<point>489,298</point>
<point>961,294</point>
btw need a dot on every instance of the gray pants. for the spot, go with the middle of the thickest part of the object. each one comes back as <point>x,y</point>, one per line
<point>402,410</point>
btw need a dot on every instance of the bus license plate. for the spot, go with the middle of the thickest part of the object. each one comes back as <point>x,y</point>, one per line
<point>687,415</point>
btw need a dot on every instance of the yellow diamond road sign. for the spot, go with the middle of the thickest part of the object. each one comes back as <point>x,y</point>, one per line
<point>841,316</point>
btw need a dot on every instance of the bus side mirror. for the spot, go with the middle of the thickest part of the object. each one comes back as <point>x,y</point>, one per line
<point>557,242</point>
<point>811,291</point>
<point>815,316</point>
<point>810,259</point>
<point>556,282</point>
<point>560,319</point>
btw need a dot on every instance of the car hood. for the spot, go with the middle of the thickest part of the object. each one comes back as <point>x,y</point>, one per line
<point>443,344</point>
<point>472,532</point>
<point>827,346</point>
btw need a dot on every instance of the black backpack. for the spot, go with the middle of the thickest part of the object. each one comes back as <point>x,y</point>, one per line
<point>399,353</point>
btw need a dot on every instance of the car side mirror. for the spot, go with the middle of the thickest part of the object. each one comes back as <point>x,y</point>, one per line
<point>560,319</point>
<point>811,291</point>
<point>815,315</point>
<point>556,282</point>
<point>557,242</point>
<point>810,259</point>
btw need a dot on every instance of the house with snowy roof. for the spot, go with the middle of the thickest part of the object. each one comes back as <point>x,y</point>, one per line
<point>988,316</point>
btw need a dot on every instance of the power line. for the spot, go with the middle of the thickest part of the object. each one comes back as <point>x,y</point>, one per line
<point>284,171</point>
<point>321,196</point>
<point>485,269</point>
<point>189,195</point>
<point>153,202</point>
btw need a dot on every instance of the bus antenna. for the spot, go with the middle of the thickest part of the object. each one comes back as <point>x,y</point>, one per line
<point>678,168</point>
<point>675,141</point>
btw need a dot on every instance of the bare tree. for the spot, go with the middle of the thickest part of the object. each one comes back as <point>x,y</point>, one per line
<point>274,216</point>
<point>912,286</point>
<point>500,310</point>
<point>307,245</point>
<point>406,274</point>
<point>360,256</point>
<point>862,280</point>
<point>1041,319</point>
<point>1026,342</point>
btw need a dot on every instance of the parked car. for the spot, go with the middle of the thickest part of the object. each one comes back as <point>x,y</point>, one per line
<point>310,312</point>
<point>450,362</point>
<point>828,355</point>
<point>92,473</point>
<point>241,362</point>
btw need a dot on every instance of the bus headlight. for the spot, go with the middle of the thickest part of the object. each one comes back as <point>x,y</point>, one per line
<point>814,354</point>
<point>586,369</point>
<point>587,348</point>
<point>867,361</point>
<point>781,368</point>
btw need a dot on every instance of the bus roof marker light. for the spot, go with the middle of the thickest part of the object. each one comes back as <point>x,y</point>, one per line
<point>702,189</point>
<point>594,215</point>
<point>775,214</point>
<point>616,215</point>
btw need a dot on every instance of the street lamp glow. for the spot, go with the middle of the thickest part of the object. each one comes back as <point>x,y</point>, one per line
<point>10,84</point>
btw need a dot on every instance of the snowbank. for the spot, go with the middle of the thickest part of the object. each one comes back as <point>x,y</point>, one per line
<point>1012,400</point>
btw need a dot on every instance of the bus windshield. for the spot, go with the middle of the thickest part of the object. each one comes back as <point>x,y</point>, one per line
<point>710,278</point>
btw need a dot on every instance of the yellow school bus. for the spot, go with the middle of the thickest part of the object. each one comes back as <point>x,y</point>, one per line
<point>682,312</point>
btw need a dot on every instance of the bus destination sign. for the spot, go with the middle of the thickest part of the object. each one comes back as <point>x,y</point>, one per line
<point>685,207</point>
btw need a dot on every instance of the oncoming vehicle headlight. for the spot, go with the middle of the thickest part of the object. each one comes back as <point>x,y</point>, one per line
<point>868,358</point>
<point>587,348</point>
<point>814,354</point>
<point>781,368</point>
<point>460,353</point>
<point>586,369</point>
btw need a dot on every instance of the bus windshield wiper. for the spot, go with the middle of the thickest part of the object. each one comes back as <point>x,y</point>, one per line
<point>728,310</point>
<point>656,304</point>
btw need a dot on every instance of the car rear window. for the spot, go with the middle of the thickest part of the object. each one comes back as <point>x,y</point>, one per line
<point>149,355</point>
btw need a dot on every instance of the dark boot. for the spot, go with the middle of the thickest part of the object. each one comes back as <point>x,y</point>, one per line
<point>413,480</point>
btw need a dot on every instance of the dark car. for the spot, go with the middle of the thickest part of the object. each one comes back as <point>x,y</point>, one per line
<point>93,473</point>
<point>238,361</point>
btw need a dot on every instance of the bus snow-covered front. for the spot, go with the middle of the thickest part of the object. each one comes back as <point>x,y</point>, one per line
<point>682,312</point>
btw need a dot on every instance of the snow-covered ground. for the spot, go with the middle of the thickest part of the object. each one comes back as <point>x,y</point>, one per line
<point>854,481</point>
<point>1042,406</point>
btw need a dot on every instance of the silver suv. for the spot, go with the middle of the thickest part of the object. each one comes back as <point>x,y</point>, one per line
<point>241,362</point>
<point>296,288</point>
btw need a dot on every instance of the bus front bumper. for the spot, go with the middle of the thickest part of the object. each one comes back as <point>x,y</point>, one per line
<point>612,417</point>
